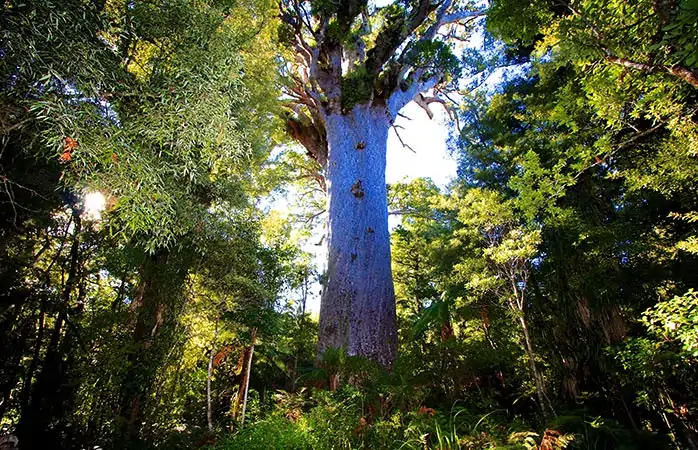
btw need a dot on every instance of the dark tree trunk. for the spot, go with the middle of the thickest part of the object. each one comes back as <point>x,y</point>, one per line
<point>29,377</point>
<point>161,281</point>
<point>358,301</point>
<point>46,399</point>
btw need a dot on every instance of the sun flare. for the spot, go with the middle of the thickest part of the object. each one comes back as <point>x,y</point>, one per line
<point>94,203</point>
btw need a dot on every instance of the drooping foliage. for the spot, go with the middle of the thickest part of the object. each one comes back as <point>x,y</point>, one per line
<point>130,136</point>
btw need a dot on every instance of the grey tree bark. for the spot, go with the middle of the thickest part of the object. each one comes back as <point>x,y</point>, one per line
<point>358,303</point>
<point>346,85</point>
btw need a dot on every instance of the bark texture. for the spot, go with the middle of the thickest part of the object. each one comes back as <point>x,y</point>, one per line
<point>358,301</point>
<point>346,85</point>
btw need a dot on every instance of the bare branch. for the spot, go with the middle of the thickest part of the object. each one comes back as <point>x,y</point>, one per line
<point>312,217</point>
<point>401,141</point>
<point>460,16</point>
<point>319,179</point>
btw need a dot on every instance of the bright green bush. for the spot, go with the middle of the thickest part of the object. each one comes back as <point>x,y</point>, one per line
<point>273,432</point>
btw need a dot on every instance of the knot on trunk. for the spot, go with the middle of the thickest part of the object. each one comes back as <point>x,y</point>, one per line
<point>357,190</point>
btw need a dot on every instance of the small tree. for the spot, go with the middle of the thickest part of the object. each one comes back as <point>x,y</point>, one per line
<point>508,249</point>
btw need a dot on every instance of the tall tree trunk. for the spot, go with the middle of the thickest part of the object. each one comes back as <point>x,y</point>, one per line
<point>138,370</point>
<point>162,277</point>
<point>537,378</point>
<point>42,401</point>
<point>241,400</point>
<point>209,375</point>
<point>357,312</point>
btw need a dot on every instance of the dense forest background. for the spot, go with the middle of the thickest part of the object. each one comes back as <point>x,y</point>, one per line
<point>151,298</point>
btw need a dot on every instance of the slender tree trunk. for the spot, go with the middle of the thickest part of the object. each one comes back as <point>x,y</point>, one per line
<point>537,378</point>
<point>26,389</point>
<point>357,313</point>
<point>119,300</point>
<point>209,410</point>
<point>241,401</point>
<point>42,401</point>
<point>304,289</point>
<point>300,320</point>
<point>247,378</point>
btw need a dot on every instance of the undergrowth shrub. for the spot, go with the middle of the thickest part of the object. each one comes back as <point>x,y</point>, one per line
<point>373,409</point>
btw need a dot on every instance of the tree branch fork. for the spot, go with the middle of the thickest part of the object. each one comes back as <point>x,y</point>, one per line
<point>323,62</point>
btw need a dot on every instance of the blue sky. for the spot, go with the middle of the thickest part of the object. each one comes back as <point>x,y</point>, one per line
<point>428,140</point>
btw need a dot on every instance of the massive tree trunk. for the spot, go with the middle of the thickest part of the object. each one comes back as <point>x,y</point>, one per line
<point>347,82</point>
<point>358,302</point>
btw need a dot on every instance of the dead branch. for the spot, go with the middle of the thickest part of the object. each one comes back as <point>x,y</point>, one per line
<point>401,141</point>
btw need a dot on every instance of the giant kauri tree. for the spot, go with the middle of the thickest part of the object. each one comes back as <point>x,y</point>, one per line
<point>356,66</point>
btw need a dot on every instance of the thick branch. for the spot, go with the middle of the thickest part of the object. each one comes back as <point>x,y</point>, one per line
<point>460,16</point>
<point>393,35</point>
<point>356,54</point>
<point>311,136</point>
<point>443,17</point>
<point>399,98</point>
<point>684,73</point>
<point>424,101</point>
<point>348,10</point>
